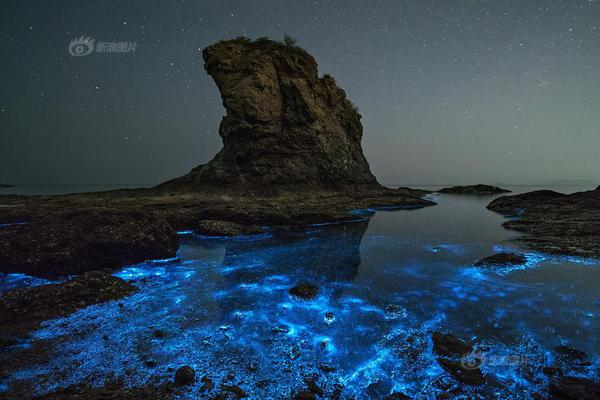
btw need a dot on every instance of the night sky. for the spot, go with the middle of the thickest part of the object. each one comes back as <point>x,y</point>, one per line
<point>451,92</point>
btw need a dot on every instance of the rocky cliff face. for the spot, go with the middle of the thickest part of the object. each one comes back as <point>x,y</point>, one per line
<point>284,124</point>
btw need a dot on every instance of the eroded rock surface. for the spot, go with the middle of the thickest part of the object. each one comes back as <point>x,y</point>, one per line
<point>555,222</point>
<point>64,242</point>
<point>502,259</point>
<point>284,123</point>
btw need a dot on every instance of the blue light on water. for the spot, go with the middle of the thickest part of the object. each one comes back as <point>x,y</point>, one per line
<point>224,305</point>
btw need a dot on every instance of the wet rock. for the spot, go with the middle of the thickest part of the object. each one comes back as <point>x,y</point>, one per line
<point>305,291</point>
<point>22,310</point>
<point>502,259</point>
<point>305,395</point>
<point>574,388</point>
<point>326,368</point>
<point>571,353</point>
<point>185,376</point>
<point>481,190</point>
<point>160,334</point>
<point>112,390</point>
<point>396,396</point>
<point>329,317</point>
<point>236,390</point>
<point>263,383</point>
<point>207,383</point>
<point>73,242</point>
<point>469,376</point>
<point>314,388</point>
<point>445,344</point>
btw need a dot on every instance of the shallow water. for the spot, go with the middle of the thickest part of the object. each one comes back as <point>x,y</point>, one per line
<point>385,284</point>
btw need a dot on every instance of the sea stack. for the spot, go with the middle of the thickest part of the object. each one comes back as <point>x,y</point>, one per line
<point>284,123</point>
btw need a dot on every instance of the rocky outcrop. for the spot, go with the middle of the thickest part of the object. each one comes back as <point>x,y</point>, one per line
<point>479,190</point>
<point>68,242</point>
<point>555,222</point>
<point>21,310</point>
<point>284,123</point>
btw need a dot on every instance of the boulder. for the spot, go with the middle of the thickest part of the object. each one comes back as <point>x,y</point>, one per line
<point>502,259</point>
<point>185,376</point>
<point>305,291</point>
<point>446,344</point>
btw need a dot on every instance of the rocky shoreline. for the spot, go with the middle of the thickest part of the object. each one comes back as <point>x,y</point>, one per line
<point>554,222</point>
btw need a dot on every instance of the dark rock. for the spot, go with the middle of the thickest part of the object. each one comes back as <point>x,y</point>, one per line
<point>4,185</point>
<point>111,390</point>
<point>160,334</point>
<point>445,344</point>
<point>283,123</point>
<point>571,353</point>
<point>326,368</point>
<point>553,222</point>
<point>305,395</point>
<point>481,190</point>
<point>207,383</point>
<point>73,242</point>
<point>21,310</point>
<point>574,388</point>
<point>469,376</point>
<point>185,376</point>
<point>552,371</point>
<point>236,390</point>
<point>396,396</point>
<point>305,291</point>
<point>502,259</point>
<point>316,389</point>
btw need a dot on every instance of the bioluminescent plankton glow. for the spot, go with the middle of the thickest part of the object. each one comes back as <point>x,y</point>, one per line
<point>385,285</point>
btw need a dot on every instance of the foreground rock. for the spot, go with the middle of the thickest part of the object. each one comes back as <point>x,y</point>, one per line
<point>554,222</point>
<point>502,260</point>
<point>481,190</point>
<point>574,388</point>
<point>114,390</point>
<point>22,310</point>
<point>454,357</point>
<point>305,291</point>
<point>284,124</point>
<point>68,242</point>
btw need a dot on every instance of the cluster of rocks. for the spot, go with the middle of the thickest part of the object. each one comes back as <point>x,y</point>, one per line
<point>554,222</point>
<point>477,190</point>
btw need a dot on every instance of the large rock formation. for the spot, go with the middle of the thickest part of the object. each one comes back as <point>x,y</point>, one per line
<point>284,124</point>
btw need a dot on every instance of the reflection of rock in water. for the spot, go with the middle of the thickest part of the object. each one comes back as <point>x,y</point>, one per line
<point>331,253</point>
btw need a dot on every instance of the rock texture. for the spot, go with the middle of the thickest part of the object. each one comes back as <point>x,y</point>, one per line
<point>284,123</point>
<point>555,222</point>
<point>481,190</point>
<point>68,242</point>
<point>21,310</point>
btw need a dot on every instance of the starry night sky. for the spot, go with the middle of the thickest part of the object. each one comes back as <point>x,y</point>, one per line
<point>451,92</point>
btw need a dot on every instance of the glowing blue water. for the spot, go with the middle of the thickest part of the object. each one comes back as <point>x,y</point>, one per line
<point>384,286</point>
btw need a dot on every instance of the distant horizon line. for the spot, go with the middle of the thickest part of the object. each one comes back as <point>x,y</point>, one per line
<point>384,184</point>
